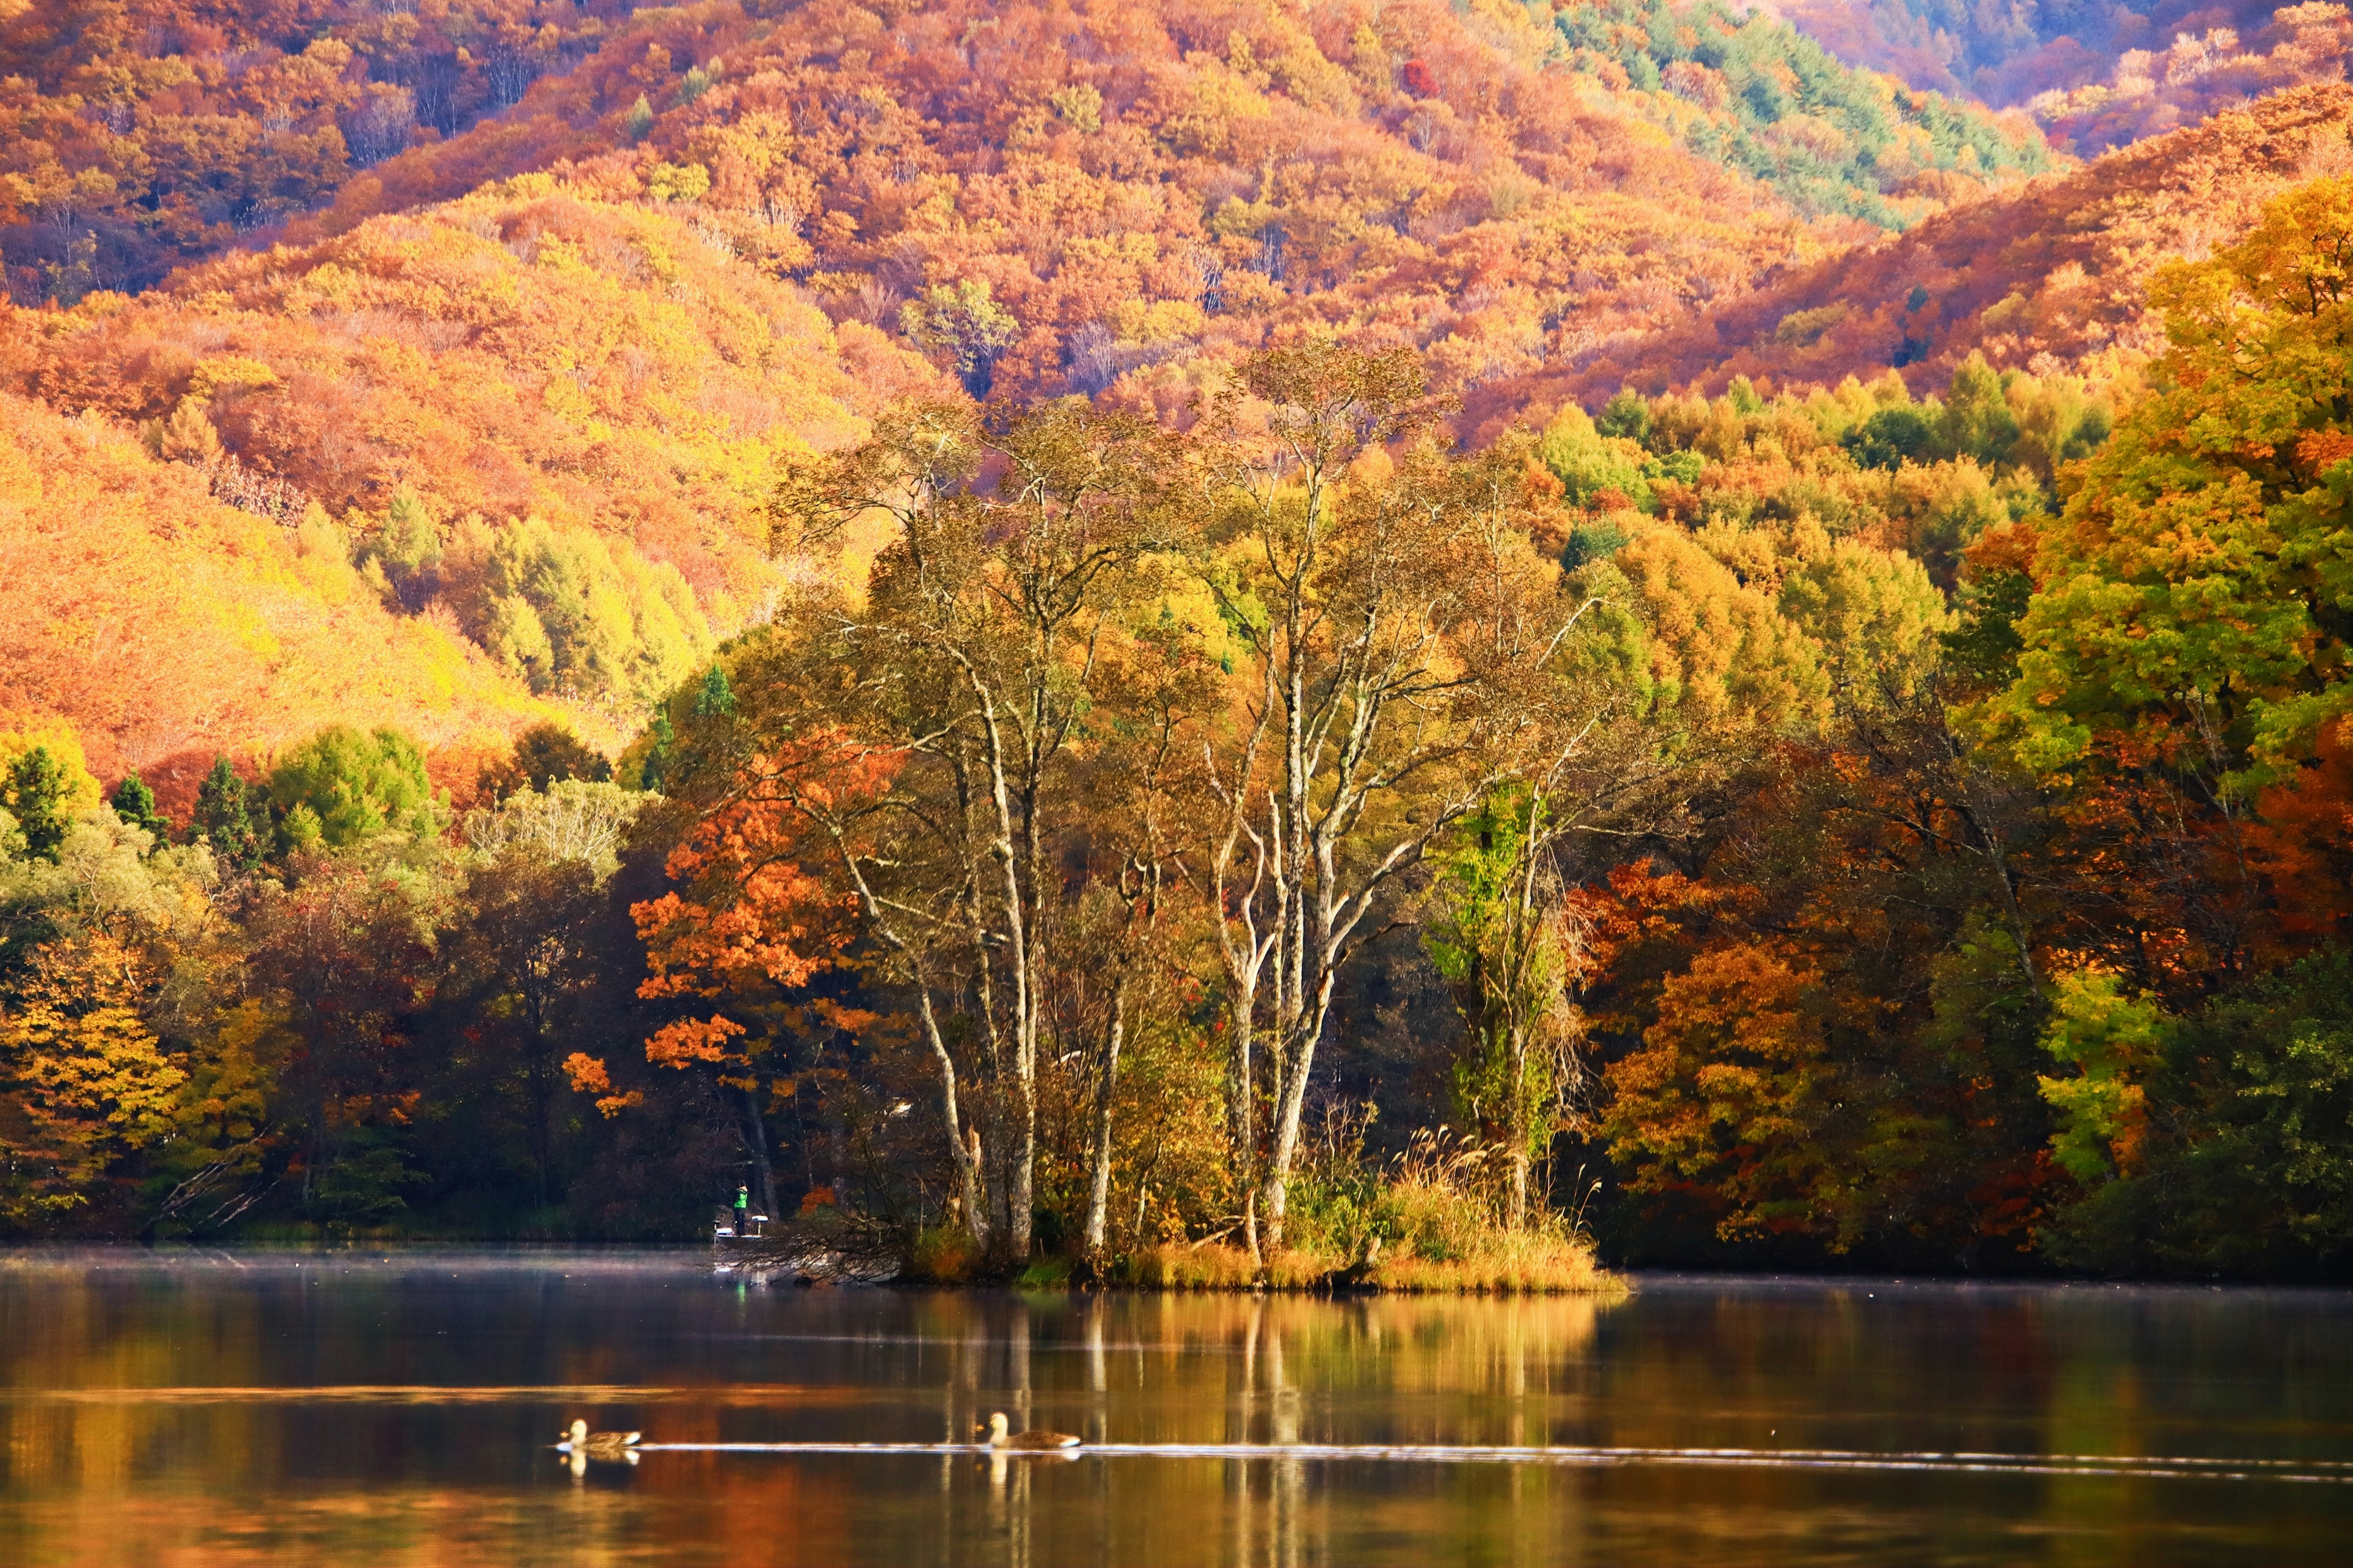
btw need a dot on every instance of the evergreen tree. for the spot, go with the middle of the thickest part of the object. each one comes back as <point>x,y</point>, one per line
<point>409,547</point>
<point>658,759</point>
<point>717,699</point>
<point>224,818</point>
<point>37,796</point>
<point>134,803</point>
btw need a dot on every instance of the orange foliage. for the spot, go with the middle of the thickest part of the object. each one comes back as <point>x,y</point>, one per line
<point>1730,1088</point>
<point>135,134</point>
<point>690,1040</point>
<point>1140,184</point>
<point>2303,843</point>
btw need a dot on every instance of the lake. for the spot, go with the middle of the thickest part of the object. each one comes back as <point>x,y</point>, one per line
<point>169,1410</point>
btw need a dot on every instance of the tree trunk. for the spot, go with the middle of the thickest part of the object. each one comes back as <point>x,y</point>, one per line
<point>539,1118</point>
<point>755,1145</point>
<point>1098,1188</point>
<point>1240,1121</point>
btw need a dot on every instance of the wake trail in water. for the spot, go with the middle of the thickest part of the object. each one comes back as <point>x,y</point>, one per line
<point>2311,1471</point>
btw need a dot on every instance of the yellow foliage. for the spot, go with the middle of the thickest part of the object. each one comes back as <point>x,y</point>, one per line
<point>20,732</point>
<point>83,1080</point>
<point>148,622</point>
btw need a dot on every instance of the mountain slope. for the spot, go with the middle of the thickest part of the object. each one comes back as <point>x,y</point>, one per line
<point>1747,90</point>
<point>166,625</point>
<point>553,417</point>
<point>137,134</point>
<point>1137,185</point>
<point>2151,92</point>
<point>2048,276</point>
<point>2009,51</point>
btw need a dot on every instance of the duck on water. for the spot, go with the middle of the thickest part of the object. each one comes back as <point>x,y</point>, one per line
<point>998,1437</point>
<point>1002,1436</point>
<point>581,1444</point>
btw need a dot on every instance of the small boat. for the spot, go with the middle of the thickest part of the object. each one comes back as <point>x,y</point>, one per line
<point>611,1447</point>
<point>1001,1436</point>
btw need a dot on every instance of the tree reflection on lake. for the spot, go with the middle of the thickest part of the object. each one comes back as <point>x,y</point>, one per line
<point>165,1410</point>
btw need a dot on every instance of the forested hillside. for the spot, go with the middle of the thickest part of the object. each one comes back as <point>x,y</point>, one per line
<point>1757,94</point>
<point>2057,269</point>
<point>2150,91</point>
<point>166,625</point>
<point>1129,183</point>
<point>2008,54</point>
<point>1054,200</point>
<point>534,427</point>
<point>1191,641</point>
<point>136,134</point>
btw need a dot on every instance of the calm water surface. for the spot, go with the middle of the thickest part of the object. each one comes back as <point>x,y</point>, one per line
<point>169,1411</point>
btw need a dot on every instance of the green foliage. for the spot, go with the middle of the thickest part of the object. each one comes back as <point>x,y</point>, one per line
<point>405,547</point>
<point>1982,646</point>
<point>547,753</point>
<point>2293,1059</point>
<point>134,803</point>
<point>1754,93</point>
<point>2111,1040</point>
<point>36,793</point>
<point>1587,462</point>
<point>660,752</point>
<point>343,786</point>
<point>1976,421</point>
<point>638,121</point>
<point>1591,541</point>
<point>2244,1163</point>
<point>964,321</point>
<point>1499,942</point>
<point>2231,652</point>
<point>1876,618</point>
<point>1626,416</point>
<point>572,615</point>
<point>362,1184</point>
<point>230,818</point>
<point>1891,437</point>
<point>716,700</point>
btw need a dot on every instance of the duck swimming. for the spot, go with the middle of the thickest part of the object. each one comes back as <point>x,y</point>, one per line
<point>583,1444</point>
<point>1001,1436</point>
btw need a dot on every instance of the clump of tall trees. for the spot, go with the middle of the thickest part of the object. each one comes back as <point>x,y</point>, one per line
<point>1780,827</point>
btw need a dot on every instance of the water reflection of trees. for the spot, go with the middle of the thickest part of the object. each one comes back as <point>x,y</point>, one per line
<point>404,1419</point>
<point>399,1410</point>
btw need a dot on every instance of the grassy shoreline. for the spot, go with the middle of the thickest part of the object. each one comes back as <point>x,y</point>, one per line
<point>1530,1264</point>
<point>1539,1260</point>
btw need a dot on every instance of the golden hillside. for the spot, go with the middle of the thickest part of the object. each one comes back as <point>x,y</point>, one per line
<point>168,626</point>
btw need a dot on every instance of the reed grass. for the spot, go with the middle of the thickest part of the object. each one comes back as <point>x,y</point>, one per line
<point>1506,1263</point>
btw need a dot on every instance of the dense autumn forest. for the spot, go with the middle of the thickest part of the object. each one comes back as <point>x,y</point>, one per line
<point>1184,638</point>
